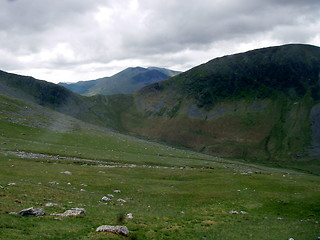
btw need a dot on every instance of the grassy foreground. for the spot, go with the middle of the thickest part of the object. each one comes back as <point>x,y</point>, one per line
<point>171,193</point>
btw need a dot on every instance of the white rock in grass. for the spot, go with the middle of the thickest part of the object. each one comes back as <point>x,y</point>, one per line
<point>121,230</point>
<point>116,191</point>
<point>129,216</point>
<point>291,239</point>
<point>121,200</point>
<point>49,204</point>
<point>234,212</point>
<point>12,184</point>
<point>66,173</point>
<point>104,198</point>
<point>54,183</point>
<point>243,212</point>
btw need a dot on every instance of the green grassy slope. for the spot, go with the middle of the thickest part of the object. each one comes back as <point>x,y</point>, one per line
<point>174,194</point>
<point>99,110</point>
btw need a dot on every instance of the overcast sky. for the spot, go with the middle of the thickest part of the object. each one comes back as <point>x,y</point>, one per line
<point>73,40</point>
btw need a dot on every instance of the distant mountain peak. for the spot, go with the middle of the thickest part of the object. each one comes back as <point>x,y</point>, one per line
<point>126,81</point>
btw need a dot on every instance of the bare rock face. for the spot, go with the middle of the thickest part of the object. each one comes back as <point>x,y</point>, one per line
<point>32,212</point>
<point>121,230</point>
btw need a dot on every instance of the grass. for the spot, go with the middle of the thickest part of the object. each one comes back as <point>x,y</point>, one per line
<point>177,194</point>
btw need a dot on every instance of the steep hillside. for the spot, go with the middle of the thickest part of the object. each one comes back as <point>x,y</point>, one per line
<point>259,105</point>
<point>124,82</point>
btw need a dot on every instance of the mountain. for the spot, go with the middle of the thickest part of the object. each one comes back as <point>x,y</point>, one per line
<point>124,82</point>
<point>261,105</point>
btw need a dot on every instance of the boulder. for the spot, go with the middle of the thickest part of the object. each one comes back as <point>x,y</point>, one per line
<point>121,230</point>
<point>72,212</point>
<point>32,212</point>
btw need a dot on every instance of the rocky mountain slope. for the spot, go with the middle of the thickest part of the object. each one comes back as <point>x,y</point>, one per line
<point>262,104</point>
<point>124,82</point>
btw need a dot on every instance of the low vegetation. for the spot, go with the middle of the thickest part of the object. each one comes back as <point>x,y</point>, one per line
<point>47,157</point>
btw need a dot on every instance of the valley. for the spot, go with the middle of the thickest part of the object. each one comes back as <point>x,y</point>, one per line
<point>197,156</point>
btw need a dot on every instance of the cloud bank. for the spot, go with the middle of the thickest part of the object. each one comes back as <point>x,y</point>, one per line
<point>74,40</point>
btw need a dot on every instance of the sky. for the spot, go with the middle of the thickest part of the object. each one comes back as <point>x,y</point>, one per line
<point>74,40</point>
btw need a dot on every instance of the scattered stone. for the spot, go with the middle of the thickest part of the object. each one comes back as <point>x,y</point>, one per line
<point>279,218</point>
<point>66,173</point>
<point>121,200</point>
<point>32,211</point>
<point>121,230</point>
<point>83,185</point>
<point>110,195</point>
<point>13,213</point>
<point>234,212</point>
<point>291,239</point>
<point>243,212</point>
<point>12,184</point>
<point>82,190</point>
<point>72,212</point>
<point>54,183</point>
<point>49,204</point>
<point>104,198</point>
<point>129,216</point>
<point>2,187</point>
<point>116,191</point>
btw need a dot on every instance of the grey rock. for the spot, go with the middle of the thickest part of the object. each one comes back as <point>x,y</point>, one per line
<point>72,212</point>
<point>32,212</point>
<point>121,230</point>
<point>12,184</point>
<point>66,173</point>
<point>116,191</point>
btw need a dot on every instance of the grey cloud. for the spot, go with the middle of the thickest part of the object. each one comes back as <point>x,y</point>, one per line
<point>156,32</point>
